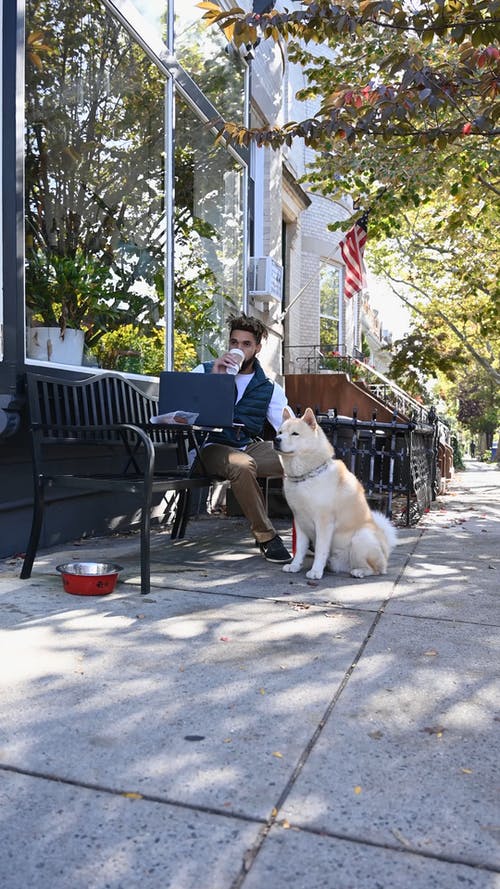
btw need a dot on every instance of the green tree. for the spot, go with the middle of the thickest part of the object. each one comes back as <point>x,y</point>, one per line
<point>479,405</point>
<point>413,87</point>
<point>451,284</point>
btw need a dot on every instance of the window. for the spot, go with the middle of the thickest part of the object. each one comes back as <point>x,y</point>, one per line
<point>94,207</point>
<point>98,188</point>
<point>215,65</point>
<point>330,290</point>
<point>208,231</point>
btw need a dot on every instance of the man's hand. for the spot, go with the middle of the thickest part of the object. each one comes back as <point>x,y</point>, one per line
<point>223,362</point>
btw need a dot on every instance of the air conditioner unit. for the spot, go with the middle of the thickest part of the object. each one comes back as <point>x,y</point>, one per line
<point>265,279</point>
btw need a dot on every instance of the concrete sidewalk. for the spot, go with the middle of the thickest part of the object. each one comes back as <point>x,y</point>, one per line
<point>241,727</point>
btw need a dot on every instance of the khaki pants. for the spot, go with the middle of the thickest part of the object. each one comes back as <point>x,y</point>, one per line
<point>242,468</point>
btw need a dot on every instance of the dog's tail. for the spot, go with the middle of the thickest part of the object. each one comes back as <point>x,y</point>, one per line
<point>387,528</point>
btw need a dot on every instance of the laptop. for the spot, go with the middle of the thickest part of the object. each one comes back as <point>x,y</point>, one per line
<point>211,396</point>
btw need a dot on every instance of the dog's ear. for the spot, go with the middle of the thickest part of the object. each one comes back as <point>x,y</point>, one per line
<point>309,418</point>
<point>287,415</point>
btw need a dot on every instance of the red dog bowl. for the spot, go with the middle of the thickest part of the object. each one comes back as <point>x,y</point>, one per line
<point>89,578</point>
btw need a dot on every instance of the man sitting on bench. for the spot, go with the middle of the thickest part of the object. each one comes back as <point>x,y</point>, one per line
<point>239,454</point>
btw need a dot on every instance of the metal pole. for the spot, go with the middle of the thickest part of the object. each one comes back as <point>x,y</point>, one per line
<point>169,312</point>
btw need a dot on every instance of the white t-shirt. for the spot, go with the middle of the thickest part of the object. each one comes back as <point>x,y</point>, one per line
<point>276,405</point>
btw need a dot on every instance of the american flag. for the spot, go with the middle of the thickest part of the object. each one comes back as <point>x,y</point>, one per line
<point>352,249</point>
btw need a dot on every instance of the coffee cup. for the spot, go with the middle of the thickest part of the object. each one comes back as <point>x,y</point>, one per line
<point>234,368</point>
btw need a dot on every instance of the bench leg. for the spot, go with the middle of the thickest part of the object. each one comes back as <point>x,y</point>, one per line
<point>178,523</point>
<point>36,527</point>
<point>146,543</point>
<point>181,515</point>
<point>185,515</point>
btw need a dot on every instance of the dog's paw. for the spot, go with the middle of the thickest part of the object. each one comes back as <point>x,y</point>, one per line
<point>359,572</point>
<point>292,567</point>
<point>314,574</point>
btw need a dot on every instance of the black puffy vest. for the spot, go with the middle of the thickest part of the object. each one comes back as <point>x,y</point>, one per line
<point>251,410</point>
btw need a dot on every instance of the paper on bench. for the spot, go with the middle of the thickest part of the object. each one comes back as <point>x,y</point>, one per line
<point>177,418</point>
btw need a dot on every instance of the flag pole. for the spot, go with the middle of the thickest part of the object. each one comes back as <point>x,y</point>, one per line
<point>306,285</point>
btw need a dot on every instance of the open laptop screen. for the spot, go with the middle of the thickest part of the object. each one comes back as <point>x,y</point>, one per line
<point>211,396</point>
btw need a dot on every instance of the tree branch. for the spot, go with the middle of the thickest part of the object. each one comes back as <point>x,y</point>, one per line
<point>460,336</point>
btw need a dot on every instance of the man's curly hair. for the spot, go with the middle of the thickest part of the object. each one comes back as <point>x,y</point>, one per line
<point>248,323</point>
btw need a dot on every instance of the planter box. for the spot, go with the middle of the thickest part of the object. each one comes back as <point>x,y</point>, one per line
<point>49,344</point>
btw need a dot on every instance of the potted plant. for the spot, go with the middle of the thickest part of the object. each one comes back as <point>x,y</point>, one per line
<point>72,302</point>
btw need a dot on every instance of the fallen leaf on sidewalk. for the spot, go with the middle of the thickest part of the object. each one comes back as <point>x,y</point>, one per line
<point>132,795</point>
<point>358,789</point>
<point>467,771</point>
<point>399,836</point>
<point>278,754</point>
<point>433,730</point>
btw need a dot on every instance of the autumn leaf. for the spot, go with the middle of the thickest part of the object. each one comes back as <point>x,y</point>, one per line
<point>433,730</point>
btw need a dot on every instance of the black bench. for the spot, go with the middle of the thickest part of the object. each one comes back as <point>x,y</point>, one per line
<point>105,420</point>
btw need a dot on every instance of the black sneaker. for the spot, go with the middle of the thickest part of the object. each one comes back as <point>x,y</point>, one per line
<point>274,550</point>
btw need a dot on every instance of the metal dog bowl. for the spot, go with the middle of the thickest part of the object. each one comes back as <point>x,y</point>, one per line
<point>89,578</point>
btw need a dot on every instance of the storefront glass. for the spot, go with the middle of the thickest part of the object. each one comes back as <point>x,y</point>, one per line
<point>96,193</point>
<point>208,229</point>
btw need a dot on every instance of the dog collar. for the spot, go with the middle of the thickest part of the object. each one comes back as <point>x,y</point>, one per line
<point>314,472</point>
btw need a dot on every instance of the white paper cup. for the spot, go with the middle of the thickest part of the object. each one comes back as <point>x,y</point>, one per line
<point>234,368</point>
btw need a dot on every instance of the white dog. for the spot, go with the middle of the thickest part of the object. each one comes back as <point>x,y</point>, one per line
<point>329,505</point>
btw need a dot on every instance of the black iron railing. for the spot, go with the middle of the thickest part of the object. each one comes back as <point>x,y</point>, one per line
<point>390,459</point>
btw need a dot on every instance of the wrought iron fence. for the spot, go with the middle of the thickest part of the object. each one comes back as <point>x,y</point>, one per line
<point>394,461</point>
<point>399,463</point>
<point>311,359</point>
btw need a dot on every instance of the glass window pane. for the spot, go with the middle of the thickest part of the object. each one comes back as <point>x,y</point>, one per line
<point>208,232</point>
<point>204,52</point>
<point>213,63</point>
<point>330,283</point>
<point>155,13</point>
<point>95,233</point>
<point>329,290</point>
